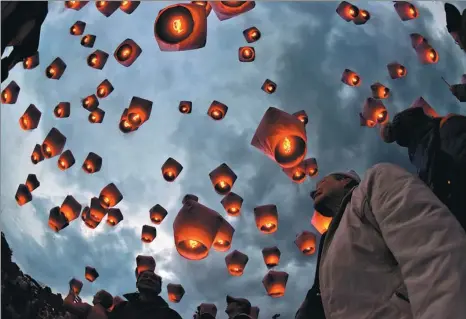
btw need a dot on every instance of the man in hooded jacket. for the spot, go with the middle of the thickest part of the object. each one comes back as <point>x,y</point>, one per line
<point>456,25</point>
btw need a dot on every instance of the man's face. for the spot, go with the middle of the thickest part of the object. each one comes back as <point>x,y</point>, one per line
<point>326,189</point>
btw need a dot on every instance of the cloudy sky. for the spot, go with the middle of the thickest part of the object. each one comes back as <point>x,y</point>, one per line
<point>304,48</point>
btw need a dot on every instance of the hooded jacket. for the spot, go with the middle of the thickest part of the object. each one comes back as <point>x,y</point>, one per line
<point>135,308</point>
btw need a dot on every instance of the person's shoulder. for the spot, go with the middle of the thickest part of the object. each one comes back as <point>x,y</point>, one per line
<point>171,314</point>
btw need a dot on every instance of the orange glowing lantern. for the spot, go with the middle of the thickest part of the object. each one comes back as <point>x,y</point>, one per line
<point>373,113</point>
<point>125,126</point>
<point>171,169</point>
<point>312,168</point>
<point>127,52</point>
<point>350,78</point>
<point>252,34</point>
<point>32,182</point>
<point>297,173</point>
<point>254,314</point>
<point>427,54</point>
<point>205,4</point>
<point>114,216</point>
<point>23,195</point>
<point>396,70</point>
<point>222,179</point>
<point>78,28</point>
<point>217,111</point>
<point>194,229</point>
<point>428,110</point>
<point>144,263</point>
<point>185,107</point>
<point>128,7</point>
<point>236,261</point>
<point>57,221</point>
<point>347,11</point>
<point>380,91</point>
<point>110,196</point>
<point>76,285</point>
<point>96,211</point>
<point>75,5</point>
<point>275,283</point>
<point>31,62</point>
<point>362,18</point>
<point>224,237</point>
<point>406,10</point>
<point>97,59</point>
<point>189,197</point>
<point>88,221</point>
<point>66,160</point>
<point>271,256</point>
<point>88,40</point>
<point>282,137</point>
<point>246,54</point>
<point>232,203</point>
<point>90,102</point>
<point>91,274</point>
<point>139,111</point>
<point>53,143</point>
<point>92,164</point>
<point>181,27</point>
<point>266,217</point>
<point>70,208</point>
<point>229,9</point>
<point>107,8</point>
<point>62,110</point>
<point>175,292</point>
<point>157,214</point>
<point>306,242</point>
<point>302,116</point>
<point>56,69</point>
<point>207,308</point>
<point>320,222</point>
<point>269,86</point>
<point>37,155</point>
<point>417,39</point>
<point>10,93</point>
<point>96,116</point>
<point>148,234</point>
<point>30,118</point>
<point>104,89</point>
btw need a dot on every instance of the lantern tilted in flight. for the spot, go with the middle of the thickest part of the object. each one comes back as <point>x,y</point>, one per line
<point>157,214</point>
<point>236,262</point>
<point>31,62</point>
<point>76,285</point>
<point>350,78</point>
<point>175,292</point>
<point>302,116</point>
<point>417,39</point>
<point>252,34</point>
<point>232,203</point>
<point>96,116</point>
<point>32,182</point>
<point>114,216</point>
<point>88,40</point>
<point>56,69</point>
<point>275,283</point>
<point>148,234</point>
<point>373,113</point>
<point>62,110</point>
<point>271,256</point>
<point>78,28</point>
<point>396,70</point>
<point>296,173</point>
<point>10,93</point>
<point>426,53</point>
<point>406,10</point>
<point>171,169</point>
<point>104,89</point>
<point>139,111</point>
<point>347,11</point>
<point>128,7</point>
<point>312,168</point>
<point>23,195</point>
<point>57,221</point>
<point>362,18</point>
<point>224,237</point>
<point>107,8</point>
<point>217,111</point>
<point>97,59</point>
<point>269,86</point>
<point>306,242</point>
<point>125,126</point>
<point>53,143</point>
<point>127,52</point>
<point>229,9</point>
<point>75,5</point>
<point>70,208</point>
<point>222,179</point>
<point>380,91</point>
<point>91,274</point>
<point>96,211</point>
<point>30,118</point>
<point>37,155</point>
<point>266,217</point>
<point>90,222</point>
<point>90,102</point>
<point>110,196</point>
<point>66,160</point>
<point>92,164</point>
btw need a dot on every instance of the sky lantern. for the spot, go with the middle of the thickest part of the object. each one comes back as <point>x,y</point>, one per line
<point>96,116</point>
<point>37,155</point>
<point>396,70</point>
<point>127,52</point>
<point>104,89</point>
<point>236,261</point>
<point>90,102</point>
<point>312,168</point>
<point>362,18</point>
<point>125,126</point>
<point>185,107</point>
<point>92,164</point>
<point>373,112</point>
<point>10,93</point>
<point>32,182</point>
<point>222,179</point>
<point>78,28</point>
<point>110,196</point>
<point>53,143</point>
<point>31,62</point>
<point>275,283</point>
<point>266,217</point>
<point>181,27</point>
<point>96,211</point>
<point>406,10</point>
<point>246,54</point>
<point>66,160</point>
<point>30,118</point>
<point>297,173</point>
<point>252,34</point>
<point>75,5</point>
<point>350,78</point>
<point>320,222</point>
<point>229,9</point>
<point>195,228</point>
<point>88,221</point>
<point>428,109</point>
<point>76,285</point>
<point>97,59</point>
<point>417,39</point>
<point>175,292</point>
<point>269,86</point>
<point>114,216</point>
<point>282,137</point>
<point>70,208</point>
<point>224,237</point>
<point>232,203</point>
<point>107,8</point>
<point>88,40</point>
<point>302,116</point>
<point>204,4</point>
<point>139,111</point>
<point>62,110</point>
<point>347,11</point>
<point>157,214</point>
<point>91,274</point>
<point>380,91</point>
<point>208,308</point>
<point>145,263</point>
<point>217,111</point>
<point>23,195</point>
<point>56,69</point>
<point>57,221</point>
<point>306,242</point>
<point>171,169</point>
<point>128,7</point>
<point>254,312</point>
<point>426,53</point>
<point>189,197</point>
<point>148,234</point>
<point>271,256</point>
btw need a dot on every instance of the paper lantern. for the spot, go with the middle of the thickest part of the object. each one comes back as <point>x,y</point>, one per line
<point>30,118</point>
<point>88,221</point>
<point>66,160</point>
<point>380,91</point>
<point>426,53</point>
<point>236,262</point>
<point>78,28</point>
<point>350,78</point>
<point>229,9</point>
<point>139,111</point>
<point>417,39</point>
<point>302,116</point>
<point>62,110</point>
<point>347,11</point>
<point>297,173</point>
<point>56,69</point>
<point>96,116</point>
<point>232,203</point>
<point>88,40</point>
<point>75,5</point>
<point>96,211</point>
<point>223,179</point>
<point>171,169</point>
<point>396,70</point>
<point>217,110</point>
<point>23,195</point>
<point>157,214</point>
<point>145,263</point>
<point>57,221</point>
<point>266,217</point>
<point>275,283</point>
<point>175,292</point>
<point>90,102</point>
<point>312,168</point>
<point>320,222</point>
<point>10,93</point>
<point>70,208</point>
<point>110,196</point>
<point>107,8</point>
<point>114,216</point>
<point>189,197</point>
<point>104,89</point>
<point>271,256</point>
<point>373,113</point>
<point>362,18</point>
<point>269,86</point>
<point>127,52</point>
<point>252,34</point>
<point>37,155</point>
<point>97,59</point>
<point>92,164</point>
<point>224,237</point>
<point>91,274</point>
<point>406,11</point>
<point>148,234</point>
<point>185,107</point>
<point>428,110</point>
<point>246,54</point>
<point>125,126</point>
<point>128,7</point>
<point>205,4</point>
<point>53,143</point>
<point>31,62</point>
<point>76,285</point>
<point>306,242</point>
<point>32,182</point>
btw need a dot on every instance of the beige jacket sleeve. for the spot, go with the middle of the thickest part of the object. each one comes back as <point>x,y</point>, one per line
<point>425,239</point>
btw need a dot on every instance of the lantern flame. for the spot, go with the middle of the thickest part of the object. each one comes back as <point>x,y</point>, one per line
<point>193,243</point>
<point>5,97</point>
<point>286,146</point>
<point>177,26</point>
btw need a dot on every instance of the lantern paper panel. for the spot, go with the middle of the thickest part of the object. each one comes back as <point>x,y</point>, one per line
<point>269,86</point>
<point>75,5</point>
<point>171,169</point>
<point>91,274</point>
<point>428,109</point>
<point>306,243</point>
<point>271,256</point>
<point>175,292</point>
<point>426,54</point>
<point>362,18</point>
<point>10,93</point>
<point>204,4</point>
<point>246,54</point>
<point>110,196</point>
<point>236,262</point>
<point>62,110</point>
<point>97,59</point>
<point>90,102</point>
<point>223,178</point>
<point>232,203</point>
<point>23,195</point>
<point>217,110</point>
<point>87,219</point>
<point>70,208</point>
<point>320,222</point>
<point>128,7</point>
<point>406,10</point>
<point>396,70</point>
<point>96,211</point>
<point>297,173</point>
<point>104,89</point>
<point>56,69</point>
<point>145,263</point>
<point>127,52</point>
<point>224,237</point>
<point>31,62</point>
<point>302,116</point>
<point>30,118</point>
<point>92,164</point>
<point>266,217</point>
<point>96,116</point>
<point>380,91</point>
<point>78,28</point>
<point>275,283</point>
<point>312,168</point>
<point>350,78</point>
<point>37,155</point>
<point>148,234</point>
<point>32,182</point>
<point>53,143</point>
<point>252,34</point>
<point>347,11</point>
<point>57,221</point>
<point>66,160</point>
<point>107,8</point>
<point>373,112</point>
<point>88,41</point>
<point>417,39</point>
<point>114,216</point>
<point>189,197</point>
<point>157,214</point>
<point>225,10</point>
<point>76,285</point>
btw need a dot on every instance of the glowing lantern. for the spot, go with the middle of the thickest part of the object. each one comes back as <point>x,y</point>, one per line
<point>96,211</point>
<point>110,196</point>
<point>302,116</point>
<point>53,143</point>
<point>88,40</point>
<point>282,137</point>
<point>246,54</point>
<point>373,113</point>
<point>128,7</point>
<point>204,4</point>
<point>236,261</point>
<point>91,274</point>
<point>96,116</point>
<point>139,111</point>
<point>125,125</point>
<point>269,86</point>
<point>175,292</point>
<point>362,18</point>
<point>114,216</point>
<point>90,102</point>
<point>78,28</point>
<point>306,242</point>
<point>31,62</point>
<point>427,54</point>
<point>171,169</point>
<point>92,164</point>
<point>104,89</point>
<point>428,110</point>
<point>232,203</point>
<point>347,11</point>
<point>320,222</point>
<point>57,221</point>
<point>297,173</point>
<point>37,155</point>
<point>70,208</point>
<point>88,221</point>
<point>266,217</point>
<point>396,70</point>
<point>189,197</point>
<point>76,285</point>
<point>32,182</point>
<point>406,11</point>
<point>181,27</point>
<point>56,69</point>
<point>66,160</point>
<point>30,118</point>
<point>271,256</point>
<point>207,308</point>
<point>380,91</point>
<point>275,283</point>
<point>350,78</point>
<point>417,39</point>
<point>10,93</point>
<point>97,59</point>
<point>23,195</point>
<point>252,34</point>
<point>312,168</point>
<point>75,5</point>
<point>148,233</point>
<point>185,107</point>
<point>229,9</point>
<point>222,179</point>
<point>224,237</point>
<point>62,110</point>
<point>217,110</point>
<point>157,214</point>
<point>254,312</point>
<point>107,8</point>
<point>145,263</point>
<point>127,52</point>
<point>194,229</point>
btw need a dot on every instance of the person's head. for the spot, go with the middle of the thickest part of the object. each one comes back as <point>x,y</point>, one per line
<point>236,306</point>
<point>103,298</point>
<point>149,283</point>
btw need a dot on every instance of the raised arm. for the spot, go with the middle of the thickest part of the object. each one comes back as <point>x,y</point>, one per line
<point>80,309</point>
